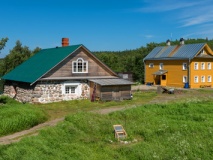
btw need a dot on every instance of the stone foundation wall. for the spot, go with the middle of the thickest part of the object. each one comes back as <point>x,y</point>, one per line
<point>43,92</point>
<point>46,93</point>
<point>20,93</point>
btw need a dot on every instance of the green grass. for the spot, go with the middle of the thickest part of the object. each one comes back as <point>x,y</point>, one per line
<point>160,131</point>
<point>60,109</point>
<point>15,116</point>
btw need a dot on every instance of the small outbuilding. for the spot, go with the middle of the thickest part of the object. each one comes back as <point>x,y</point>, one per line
<point>111,89</point>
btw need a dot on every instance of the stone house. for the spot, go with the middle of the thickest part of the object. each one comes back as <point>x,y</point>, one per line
<point>64,73</point>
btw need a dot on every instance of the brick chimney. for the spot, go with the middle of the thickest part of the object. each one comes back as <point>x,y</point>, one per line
<point>65,42</point>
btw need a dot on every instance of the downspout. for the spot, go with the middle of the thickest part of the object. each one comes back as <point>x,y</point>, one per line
<point>144,71</point>
<point>189,73</point>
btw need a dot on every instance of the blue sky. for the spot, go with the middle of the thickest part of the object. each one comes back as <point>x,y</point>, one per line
<point>112,25</point>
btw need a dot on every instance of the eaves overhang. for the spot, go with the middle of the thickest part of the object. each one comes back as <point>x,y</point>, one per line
<point>166,58</point>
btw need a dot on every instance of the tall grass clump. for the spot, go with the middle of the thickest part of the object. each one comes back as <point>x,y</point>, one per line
<point>158,131</point>
<point>15,116</point>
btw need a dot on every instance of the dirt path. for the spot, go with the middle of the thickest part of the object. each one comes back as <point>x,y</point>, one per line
<point>163,98</point>
<point>32,131</point>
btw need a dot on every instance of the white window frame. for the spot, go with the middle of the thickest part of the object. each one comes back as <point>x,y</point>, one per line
<point>71,84</point>
<point>185,80</point>
<point>78,67</point>
<point>209,79</point>
<point>161,66</point>
<point>196,66</point>
<point>203,79</point>
<point>196,79</point>
<point>70,89</point>
<point>209,65</point>
<point>151,65</point>
<point>184,66</point>
<point>202,65</point>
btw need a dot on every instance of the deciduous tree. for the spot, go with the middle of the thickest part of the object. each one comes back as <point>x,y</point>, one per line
<point>3,42</point>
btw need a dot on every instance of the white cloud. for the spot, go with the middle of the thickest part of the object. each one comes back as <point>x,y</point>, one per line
<point>184,12</point>
<point>148,36</point>
<point>167,5</point>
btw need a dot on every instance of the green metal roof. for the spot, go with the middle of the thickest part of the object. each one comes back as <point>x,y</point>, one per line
<point>39,64</point>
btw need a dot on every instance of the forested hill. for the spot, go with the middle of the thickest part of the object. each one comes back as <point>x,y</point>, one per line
<point>132,60</point>
<point>122,61</point>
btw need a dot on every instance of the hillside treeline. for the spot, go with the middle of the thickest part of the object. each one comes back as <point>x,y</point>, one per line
<point>17,55</point>
<point>132,60</point>
<point>118,61</point>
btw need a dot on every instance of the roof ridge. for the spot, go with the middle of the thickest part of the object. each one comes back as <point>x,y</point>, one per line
<point>63,46</point>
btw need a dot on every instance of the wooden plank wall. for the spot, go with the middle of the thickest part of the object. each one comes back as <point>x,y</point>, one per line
<point>64,69</point>
<point>115,92</point>
<point>174,68</point>
<point>201,72</point>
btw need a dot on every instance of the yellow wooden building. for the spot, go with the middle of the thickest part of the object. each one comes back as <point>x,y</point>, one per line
<point>184,65</point>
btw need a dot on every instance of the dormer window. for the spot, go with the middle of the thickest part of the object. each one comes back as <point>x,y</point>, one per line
<point>80,66</point>
<point>202,52</point>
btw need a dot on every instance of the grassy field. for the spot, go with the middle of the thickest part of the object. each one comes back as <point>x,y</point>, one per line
<point>182,130</point>
<point>15,116</point>
<point>60,109</point>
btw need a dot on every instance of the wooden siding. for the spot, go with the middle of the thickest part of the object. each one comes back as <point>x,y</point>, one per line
<point>108,93</point>
<point>64,69</point>
<point>201,72</point>
<point>174,76</point>
<point>115,92</point>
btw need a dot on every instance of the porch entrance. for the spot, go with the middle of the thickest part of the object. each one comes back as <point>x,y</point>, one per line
<point>160,77</point>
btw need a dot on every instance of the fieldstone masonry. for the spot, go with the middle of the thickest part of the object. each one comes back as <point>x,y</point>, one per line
<point>43,92</point>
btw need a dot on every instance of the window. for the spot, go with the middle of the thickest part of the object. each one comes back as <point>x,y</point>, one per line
<point>161,66</point>
<point>202,65</point>
<point>202,52</point>
<point>185,79</point>
<point>69,89</point>
<point>209,79</point>
<point>196,79</point>
<point>163,77</point>
<point>196,66</point>
<point>151,65</point>
<point>202,78</point>
<point>184,66</point>
<point>80,66</point>
<point>209,65</point>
